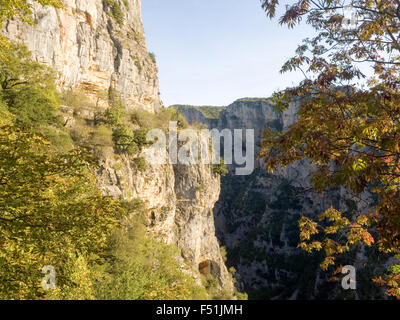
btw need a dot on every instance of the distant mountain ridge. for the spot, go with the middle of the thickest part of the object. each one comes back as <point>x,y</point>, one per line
<point>207,115</point>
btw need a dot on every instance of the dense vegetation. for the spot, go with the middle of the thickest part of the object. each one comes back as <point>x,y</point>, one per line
<point>348,123</point>
<point>50,205</point>
<point>52,212</point>
<point>267,100</point>
<point>141,268</point>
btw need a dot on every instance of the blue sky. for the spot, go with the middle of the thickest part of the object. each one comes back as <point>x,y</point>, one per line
<point>212,52</point>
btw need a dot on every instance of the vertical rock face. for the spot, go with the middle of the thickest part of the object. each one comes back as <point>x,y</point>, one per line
<point>180,199</point>
<point>197,190</point>
<point>256,114</point>
<point>95,45</point>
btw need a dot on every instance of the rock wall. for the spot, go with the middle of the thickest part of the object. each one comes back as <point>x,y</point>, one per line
<point>180,199</point>
<point>88,48</point>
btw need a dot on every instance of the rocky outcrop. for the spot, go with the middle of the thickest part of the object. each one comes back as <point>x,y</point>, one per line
<point>94,45</point>
<point>257,114</point>
<point>180,199</point>
<point>197,190</point>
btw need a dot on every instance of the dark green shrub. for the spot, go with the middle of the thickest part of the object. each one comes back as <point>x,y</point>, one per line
<point>115,115</point>
<point>140,164</point>
<point>140,137</point>
<point>102,136</point>
<point>123,136</point>
<point>220,168</point>
<point>152,57</point>
<point>132,149</point>
<point>116,11</point>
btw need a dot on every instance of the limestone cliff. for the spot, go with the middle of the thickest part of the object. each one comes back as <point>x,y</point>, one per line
<point>95,45</point>
<point>180,199</point>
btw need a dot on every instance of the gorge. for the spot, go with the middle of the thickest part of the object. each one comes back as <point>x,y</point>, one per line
<point>240,229</point>
<point>256,216</point>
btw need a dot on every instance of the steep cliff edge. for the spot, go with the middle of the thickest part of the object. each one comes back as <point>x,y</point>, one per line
<point>95,45</point>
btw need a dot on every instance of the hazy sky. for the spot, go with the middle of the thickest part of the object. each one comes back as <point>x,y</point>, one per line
<point>212,52</point>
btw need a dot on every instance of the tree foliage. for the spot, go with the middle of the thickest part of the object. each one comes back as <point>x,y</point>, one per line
<point>22,8</point>
<point>28,88</point>
<point>141,268</point>
<point>125,138</point>
<point>348,123</point>
<point>51,209</point>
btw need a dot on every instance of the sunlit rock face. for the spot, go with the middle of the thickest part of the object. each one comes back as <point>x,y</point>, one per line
<point>89,49</point>
<point>181,198</point>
